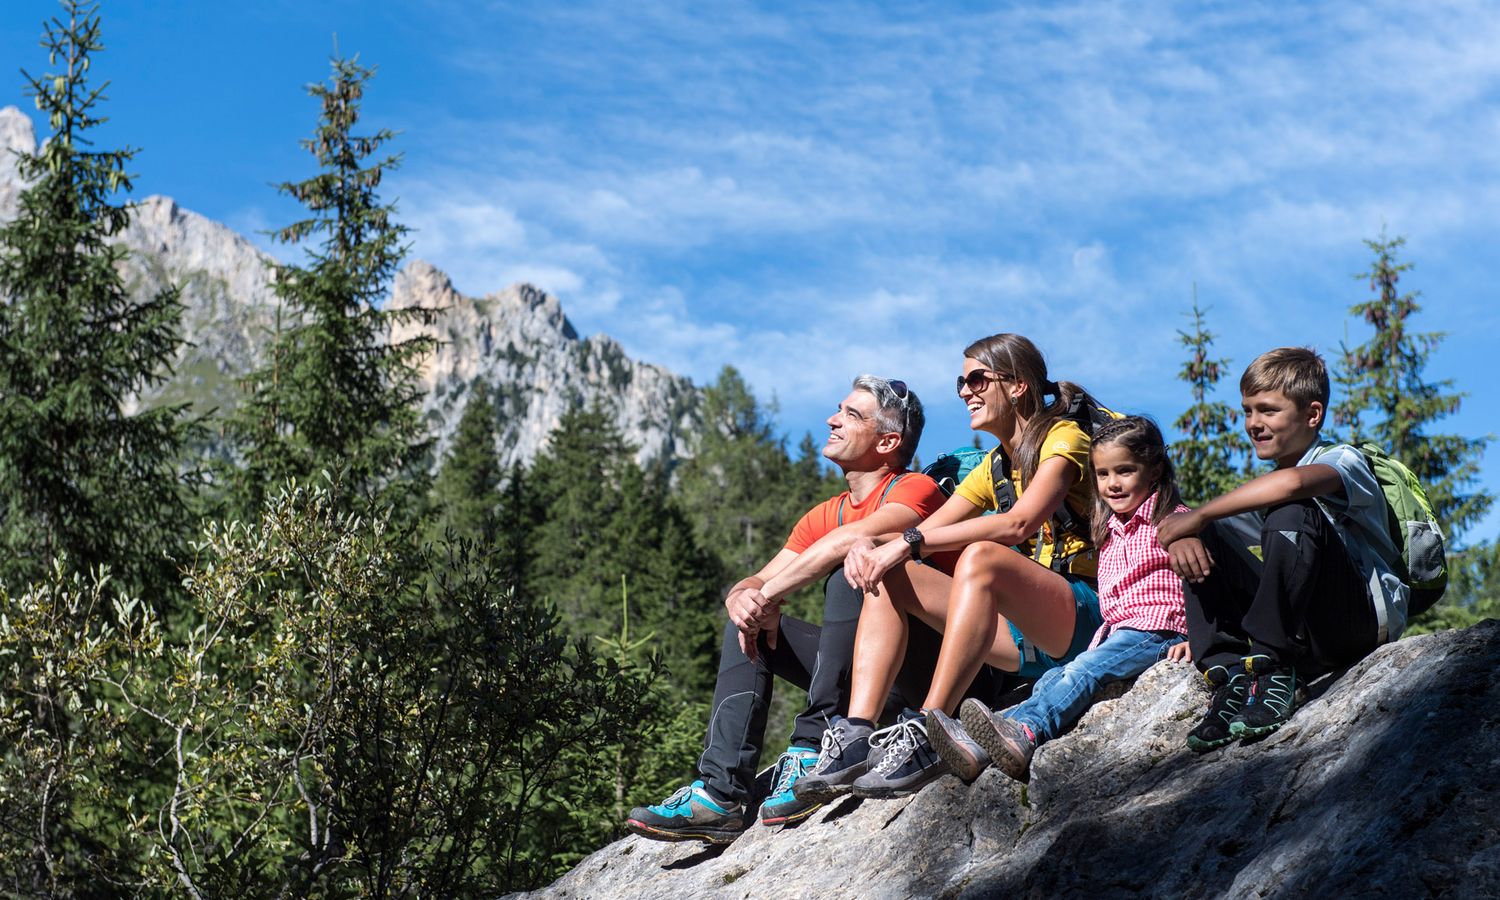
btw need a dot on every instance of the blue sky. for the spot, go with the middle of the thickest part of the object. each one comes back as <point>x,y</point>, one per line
<point>809,194</point>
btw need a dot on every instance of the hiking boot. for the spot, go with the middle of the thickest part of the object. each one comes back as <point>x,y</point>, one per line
<point>690,814</point>
<point>1216,729</point>
<point>962,753</point>
<point>1271,699</point>
<point>844,757</point>
<point>1009,743</point>
<point>906,761</point>
<point>783,806</point>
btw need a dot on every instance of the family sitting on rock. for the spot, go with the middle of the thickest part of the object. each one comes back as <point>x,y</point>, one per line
<point>1066,558</point>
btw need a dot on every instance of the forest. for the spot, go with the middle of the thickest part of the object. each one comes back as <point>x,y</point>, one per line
<point>292,651</point>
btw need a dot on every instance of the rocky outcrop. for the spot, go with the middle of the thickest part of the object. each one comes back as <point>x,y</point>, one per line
<point>1385,783</point>
<point>519,343</point>
<point>518,340</point>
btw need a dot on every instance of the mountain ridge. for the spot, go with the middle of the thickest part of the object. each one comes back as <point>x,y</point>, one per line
<point>517,340</point>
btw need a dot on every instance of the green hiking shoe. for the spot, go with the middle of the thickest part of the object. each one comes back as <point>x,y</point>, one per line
<point>1216,729</point>
<point>1272,697</point>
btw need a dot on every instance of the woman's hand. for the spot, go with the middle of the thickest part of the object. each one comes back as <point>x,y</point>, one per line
<point>866,565</point>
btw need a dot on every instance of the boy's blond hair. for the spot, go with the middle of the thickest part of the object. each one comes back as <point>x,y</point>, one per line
<point>1297,372</point>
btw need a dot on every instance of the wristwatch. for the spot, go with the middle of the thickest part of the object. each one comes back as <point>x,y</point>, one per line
<point>913,539</point>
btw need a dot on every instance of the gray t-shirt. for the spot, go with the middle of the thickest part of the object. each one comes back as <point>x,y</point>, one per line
<point>1359,517</point>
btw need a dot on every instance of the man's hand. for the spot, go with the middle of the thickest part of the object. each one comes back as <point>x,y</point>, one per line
<point>748,609</point>
<point>771,628</point>
<point>1178,526</point>
<point>1190,559</point>
<point>866,565</point>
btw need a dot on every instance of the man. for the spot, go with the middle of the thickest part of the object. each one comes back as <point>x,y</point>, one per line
<point>871,437</point>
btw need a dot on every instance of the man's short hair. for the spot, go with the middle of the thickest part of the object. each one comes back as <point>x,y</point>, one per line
<point>897,410</point>
<point>1297,372</point>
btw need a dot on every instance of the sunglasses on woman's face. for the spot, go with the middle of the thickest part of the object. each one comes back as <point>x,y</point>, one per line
<point>976,380</point>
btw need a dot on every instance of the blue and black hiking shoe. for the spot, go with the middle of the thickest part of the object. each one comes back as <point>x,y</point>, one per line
<point>690,814</point>
<point>1216,729</point>
<point>1271,699</point>
<point>784,807</point>
<point>845,756</point>
<point>905,763</point>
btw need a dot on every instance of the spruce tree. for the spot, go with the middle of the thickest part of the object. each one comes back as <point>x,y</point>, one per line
<point>337,394</point>
<point>466,492</point>
<point>1384,382</point>
<point>739,489</point>
<point>79,476</point>
<point>1205,457</point>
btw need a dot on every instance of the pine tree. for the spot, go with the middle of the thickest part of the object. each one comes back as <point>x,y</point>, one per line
<point>466,493</point>
<point>1205,456</point>
<point>79,477</point>
<point>337,395</point>
<point>739,489</point>
<point>1383,379</point>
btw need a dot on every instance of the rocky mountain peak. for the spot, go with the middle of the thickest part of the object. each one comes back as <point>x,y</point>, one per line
<point>518,341</point>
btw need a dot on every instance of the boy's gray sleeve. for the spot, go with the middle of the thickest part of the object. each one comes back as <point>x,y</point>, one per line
<point>1361,491</point>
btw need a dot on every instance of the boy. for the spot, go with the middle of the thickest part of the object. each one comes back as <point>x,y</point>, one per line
<point>1318,593</point>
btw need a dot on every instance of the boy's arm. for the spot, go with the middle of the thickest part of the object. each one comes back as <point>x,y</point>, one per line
<point>1270,489</point>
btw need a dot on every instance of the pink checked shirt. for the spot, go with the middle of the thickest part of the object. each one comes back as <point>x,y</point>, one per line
<point>1137,587</point>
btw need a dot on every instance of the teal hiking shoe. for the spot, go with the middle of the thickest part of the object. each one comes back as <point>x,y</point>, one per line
<point>784,807</point>
<point>690,814</point>
<point>1271,699</point>
<point>1216,728</point>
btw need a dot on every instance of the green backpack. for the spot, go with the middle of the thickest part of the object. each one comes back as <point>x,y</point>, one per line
<point>1413,527</point>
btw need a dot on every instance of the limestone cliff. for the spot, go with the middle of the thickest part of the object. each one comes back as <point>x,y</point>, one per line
<point>1384,784</point>
<point>517,340</point>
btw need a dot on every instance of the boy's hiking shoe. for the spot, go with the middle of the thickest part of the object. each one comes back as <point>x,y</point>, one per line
<point>1272,697</point>
<point>784,807</point>
<point>1009,743</point>
<point>690,814</point>
<point>906,761</point>
<point>1216,729</point>
<point>962,753</point>
<point>845,756</point>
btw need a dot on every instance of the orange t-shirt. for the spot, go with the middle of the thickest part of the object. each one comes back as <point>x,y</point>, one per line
<point>914,491</point>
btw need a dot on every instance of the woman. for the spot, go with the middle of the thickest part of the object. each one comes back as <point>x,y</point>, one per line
<point>1004,610</point>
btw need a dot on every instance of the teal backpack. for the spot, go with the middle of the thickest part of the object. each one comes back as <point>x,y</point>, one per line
<point>950,469</point>
<point>1413,527</point>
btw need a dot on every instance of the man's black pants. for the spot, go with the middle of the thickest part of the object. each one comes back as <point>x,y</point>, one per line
<point>1302,603</point>
<point>817,660</point>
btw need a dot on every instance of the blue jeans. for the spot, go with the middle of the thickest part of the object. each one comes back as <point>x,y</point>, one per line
<point>1062,695</point>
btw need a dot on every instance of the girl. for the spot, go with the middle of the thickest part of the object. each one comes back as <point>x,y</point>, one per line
<point>1140,598</point>
<point>1000,611</point>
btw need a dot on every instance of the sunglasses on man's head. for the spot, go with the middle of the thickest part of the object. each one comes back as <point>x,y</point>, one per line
<point>898,387</point>
<point>976,380</point>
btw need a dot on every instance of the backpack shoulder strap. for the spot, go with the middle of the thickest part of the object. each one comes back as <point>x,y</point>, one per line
<point>878,503</point>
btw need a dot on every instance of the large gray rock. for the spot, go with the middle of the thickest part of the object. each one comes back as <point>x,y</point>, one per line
<point>517,341</point>
<point>1386,783</point>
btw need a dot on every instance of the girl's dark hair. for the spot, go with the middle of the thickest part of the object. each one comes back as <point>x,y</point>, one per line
<point>1014,358</point>
<point>1143,441</point>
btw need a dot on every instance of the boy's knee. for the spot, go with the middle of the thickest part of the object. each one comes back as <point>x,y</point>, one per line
<point>1302,516</point>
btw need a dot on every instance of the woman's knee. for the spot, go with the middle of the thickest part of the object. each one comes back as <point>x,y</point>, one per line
<point>984,563</point>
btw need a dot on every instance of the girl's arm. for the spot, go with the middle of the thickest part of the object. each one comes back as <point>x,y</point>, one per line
<point>867,564</point>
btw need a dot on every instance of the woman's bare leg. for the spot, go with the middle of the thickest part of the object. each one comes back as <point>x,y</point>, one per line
<point>880,643</point>
<point>993,586</point>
